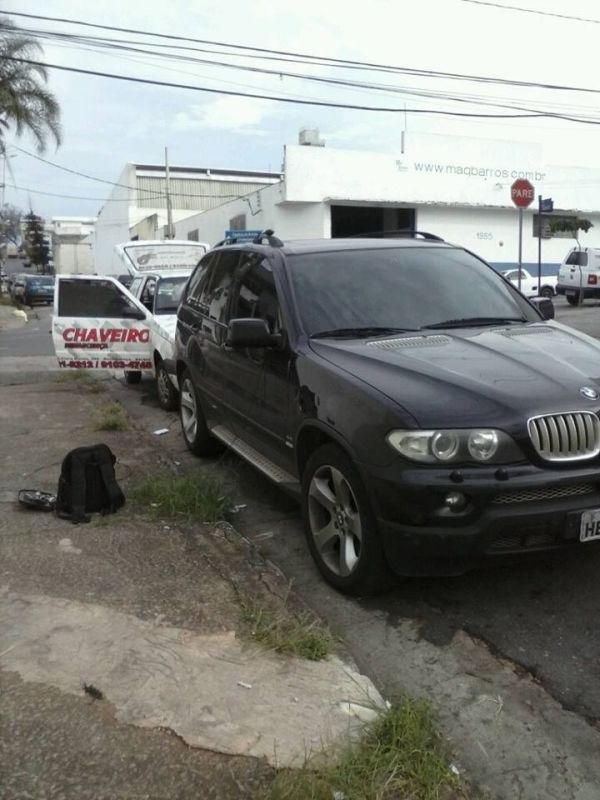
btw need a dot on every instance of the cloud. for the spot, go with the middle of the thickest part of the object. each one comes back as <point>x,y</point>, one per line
<point>242,114</point>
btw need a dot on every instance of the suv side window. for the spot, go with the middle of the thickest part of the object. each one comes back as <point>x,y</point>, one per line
<point>215,298</point>
<point>256,295</point>
<point>198,281</point>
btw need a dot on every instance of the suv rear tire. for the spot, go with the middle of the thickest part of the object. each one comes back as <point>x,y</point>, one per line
<point>193,424</point>
<point>340,526</point>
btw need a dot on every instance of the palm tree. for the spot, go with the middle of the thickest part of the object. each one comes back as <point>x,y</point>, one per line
<point>26,105</point>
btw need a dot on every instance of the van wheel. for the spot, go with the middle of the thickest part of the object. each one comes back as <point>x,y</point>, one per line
<point>340,526</point>
<point>132,377</point>
<point>193,424</point>
<point>575,299</point>
<point>168,396</point>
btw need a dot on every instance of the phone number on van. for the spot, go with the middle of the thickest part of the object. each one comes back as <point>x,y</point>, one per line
<point>104,364</point>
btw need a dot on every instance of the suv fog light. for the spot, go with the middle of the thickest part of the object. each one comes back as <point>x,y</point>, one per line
<point>455,501</point>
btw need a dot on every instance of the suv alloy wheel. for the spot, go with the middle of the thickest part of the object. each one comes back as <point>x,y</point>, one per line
<point>340,526</point>
<point>193,425</point>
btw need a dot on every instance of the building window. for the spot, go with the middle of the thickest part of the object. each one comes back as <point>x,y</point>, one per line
<point>547,219</point>
<point>193,235</point>
<point>238,223</point>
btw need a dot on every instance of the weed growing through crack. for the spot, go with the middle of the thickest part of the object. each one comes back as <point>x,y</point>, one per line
<point>399,755</point>
<point>284,631</point>
<point>194,497</point>
<point>110,417</point>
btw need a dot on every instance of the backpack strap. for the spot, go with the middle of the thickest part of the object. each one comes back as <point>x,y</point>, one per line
<point>105,461</point>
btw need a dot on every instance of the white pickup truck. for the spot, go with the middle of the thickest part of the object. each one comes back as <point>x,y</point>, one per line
<point>529,283</point>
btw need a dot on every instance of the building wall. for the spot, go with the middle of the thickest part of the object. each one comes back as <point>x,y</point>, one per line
<point>493,233</point>
<point>289,221</point>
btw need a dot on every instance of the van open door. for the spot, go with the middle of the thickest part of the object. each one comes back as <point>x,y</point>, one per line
<point>98,324</point>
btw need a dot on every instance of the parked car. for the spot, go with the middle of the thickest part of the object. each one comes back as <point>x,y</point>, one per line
<point>38,289</point>
<point>579,275</point>
<point>529,283</point>
<point>99,323</point>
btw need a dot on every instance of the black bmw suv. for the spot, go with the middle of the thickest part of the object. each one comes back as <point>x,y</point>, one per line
<point>426,413</point>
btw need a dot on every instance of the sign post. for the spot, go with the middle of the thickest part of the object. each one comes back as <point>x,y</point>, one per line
<point>522,194</point>
<point>543,205</point>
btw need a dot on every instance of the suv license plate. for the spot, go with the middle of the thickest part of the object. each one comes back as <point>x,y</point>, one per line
<point>590,525</point>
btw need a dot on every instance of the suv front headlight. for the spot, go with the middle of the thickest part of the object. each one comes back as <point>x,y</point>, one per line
<point>484,445</point>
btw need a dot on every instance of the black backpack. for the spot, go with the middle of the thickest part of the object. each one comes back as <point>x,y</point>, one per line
<point>87,484</point>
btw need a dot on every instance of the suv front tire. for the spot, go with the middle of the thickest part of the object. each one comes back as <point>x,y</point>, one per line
<point>340,526</point>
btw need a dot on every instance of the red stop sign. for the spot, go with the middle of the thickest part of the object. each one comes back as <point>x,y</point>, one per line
<point>522,193</point>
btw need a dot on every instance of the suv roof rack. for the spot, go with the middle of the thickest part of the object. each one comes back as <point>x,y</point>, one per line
<point>393,234</point>
<point>269,235</point>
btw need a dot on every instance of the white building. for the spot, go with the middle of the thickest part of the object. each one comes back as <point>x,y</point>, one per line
<point>455,187</point>
<point>137,206</point>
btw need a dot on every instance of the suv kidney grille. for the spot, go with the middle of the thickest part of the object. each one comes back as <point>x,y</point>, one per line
<point>566,437</point>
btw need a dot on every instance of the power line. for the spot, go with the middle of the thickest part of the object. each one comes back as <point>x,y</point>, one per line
<point>316,60</point>
<point>320,103</point>
<point>533,11</point>
<point>98,44</point>
<point>68,196</point>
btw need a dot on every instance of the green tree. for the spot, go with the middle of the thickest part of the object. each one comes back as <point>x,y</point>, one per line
<point>26,105</point>
<point>571,225</point>
<point>36,242</point>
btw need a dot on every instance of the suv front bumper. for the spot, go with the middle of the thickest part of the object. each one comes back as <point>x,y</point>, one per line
<point>527,510</point>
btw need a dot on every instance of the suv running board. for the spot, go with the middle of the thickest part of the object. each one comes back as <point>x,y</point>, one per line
<point>247,452</point>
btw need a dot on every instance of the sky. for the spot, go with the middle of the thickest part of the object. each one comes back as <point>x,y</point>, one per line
<point>107,123</point>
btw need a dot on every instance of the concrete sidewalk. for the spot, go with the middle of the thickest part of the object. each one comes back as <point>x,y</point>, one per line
<point>147,613</point>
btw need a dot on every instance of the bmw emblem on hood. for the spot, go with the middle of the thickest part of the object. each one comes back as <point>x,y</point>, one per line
<point>588,392</point>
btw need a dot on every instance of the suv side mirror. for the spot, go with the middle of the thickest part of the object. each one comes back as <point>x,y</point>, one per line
<point>249,333</point>
<point>545,306</point>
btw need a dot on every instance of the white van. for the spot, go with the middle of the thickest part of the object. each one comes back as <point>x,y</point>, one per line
<point>579,275</point>
<point>136,257</point>
<point>99,323</point>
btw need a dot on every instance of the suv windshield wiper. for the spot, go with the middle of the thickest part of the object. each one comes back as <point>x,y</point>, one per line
<point>359,332</point>
<point>468,322</point>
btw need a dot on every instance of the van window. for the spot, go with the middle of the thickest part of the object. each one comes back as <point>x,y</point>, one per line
<point>578,257</point>
<point>81,298</point>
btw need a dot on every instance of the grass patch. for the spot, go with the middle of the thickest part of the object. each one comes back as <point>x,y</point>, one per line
<point>399,757</point>
<point>6,300</point>
<point>81,379</point>
<point>283,631</point>
<point>110,417</point>
<point>191,497</point>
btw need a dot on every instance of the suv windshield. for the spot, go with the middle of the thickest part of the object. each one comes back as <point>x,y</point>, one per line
<point>168,295</point>
<point>407,288</point>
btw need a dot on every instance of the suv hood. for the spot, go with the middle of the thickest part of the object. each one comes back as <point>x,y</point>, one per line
<point>497,377</point>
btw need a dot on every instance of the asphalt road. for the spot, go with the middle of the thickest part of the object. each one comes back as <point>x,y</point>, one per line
<point>33,339</point>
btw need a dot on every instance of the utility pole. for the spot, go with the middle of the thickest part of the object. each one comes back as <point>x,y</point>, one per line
<point>168,193</point>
